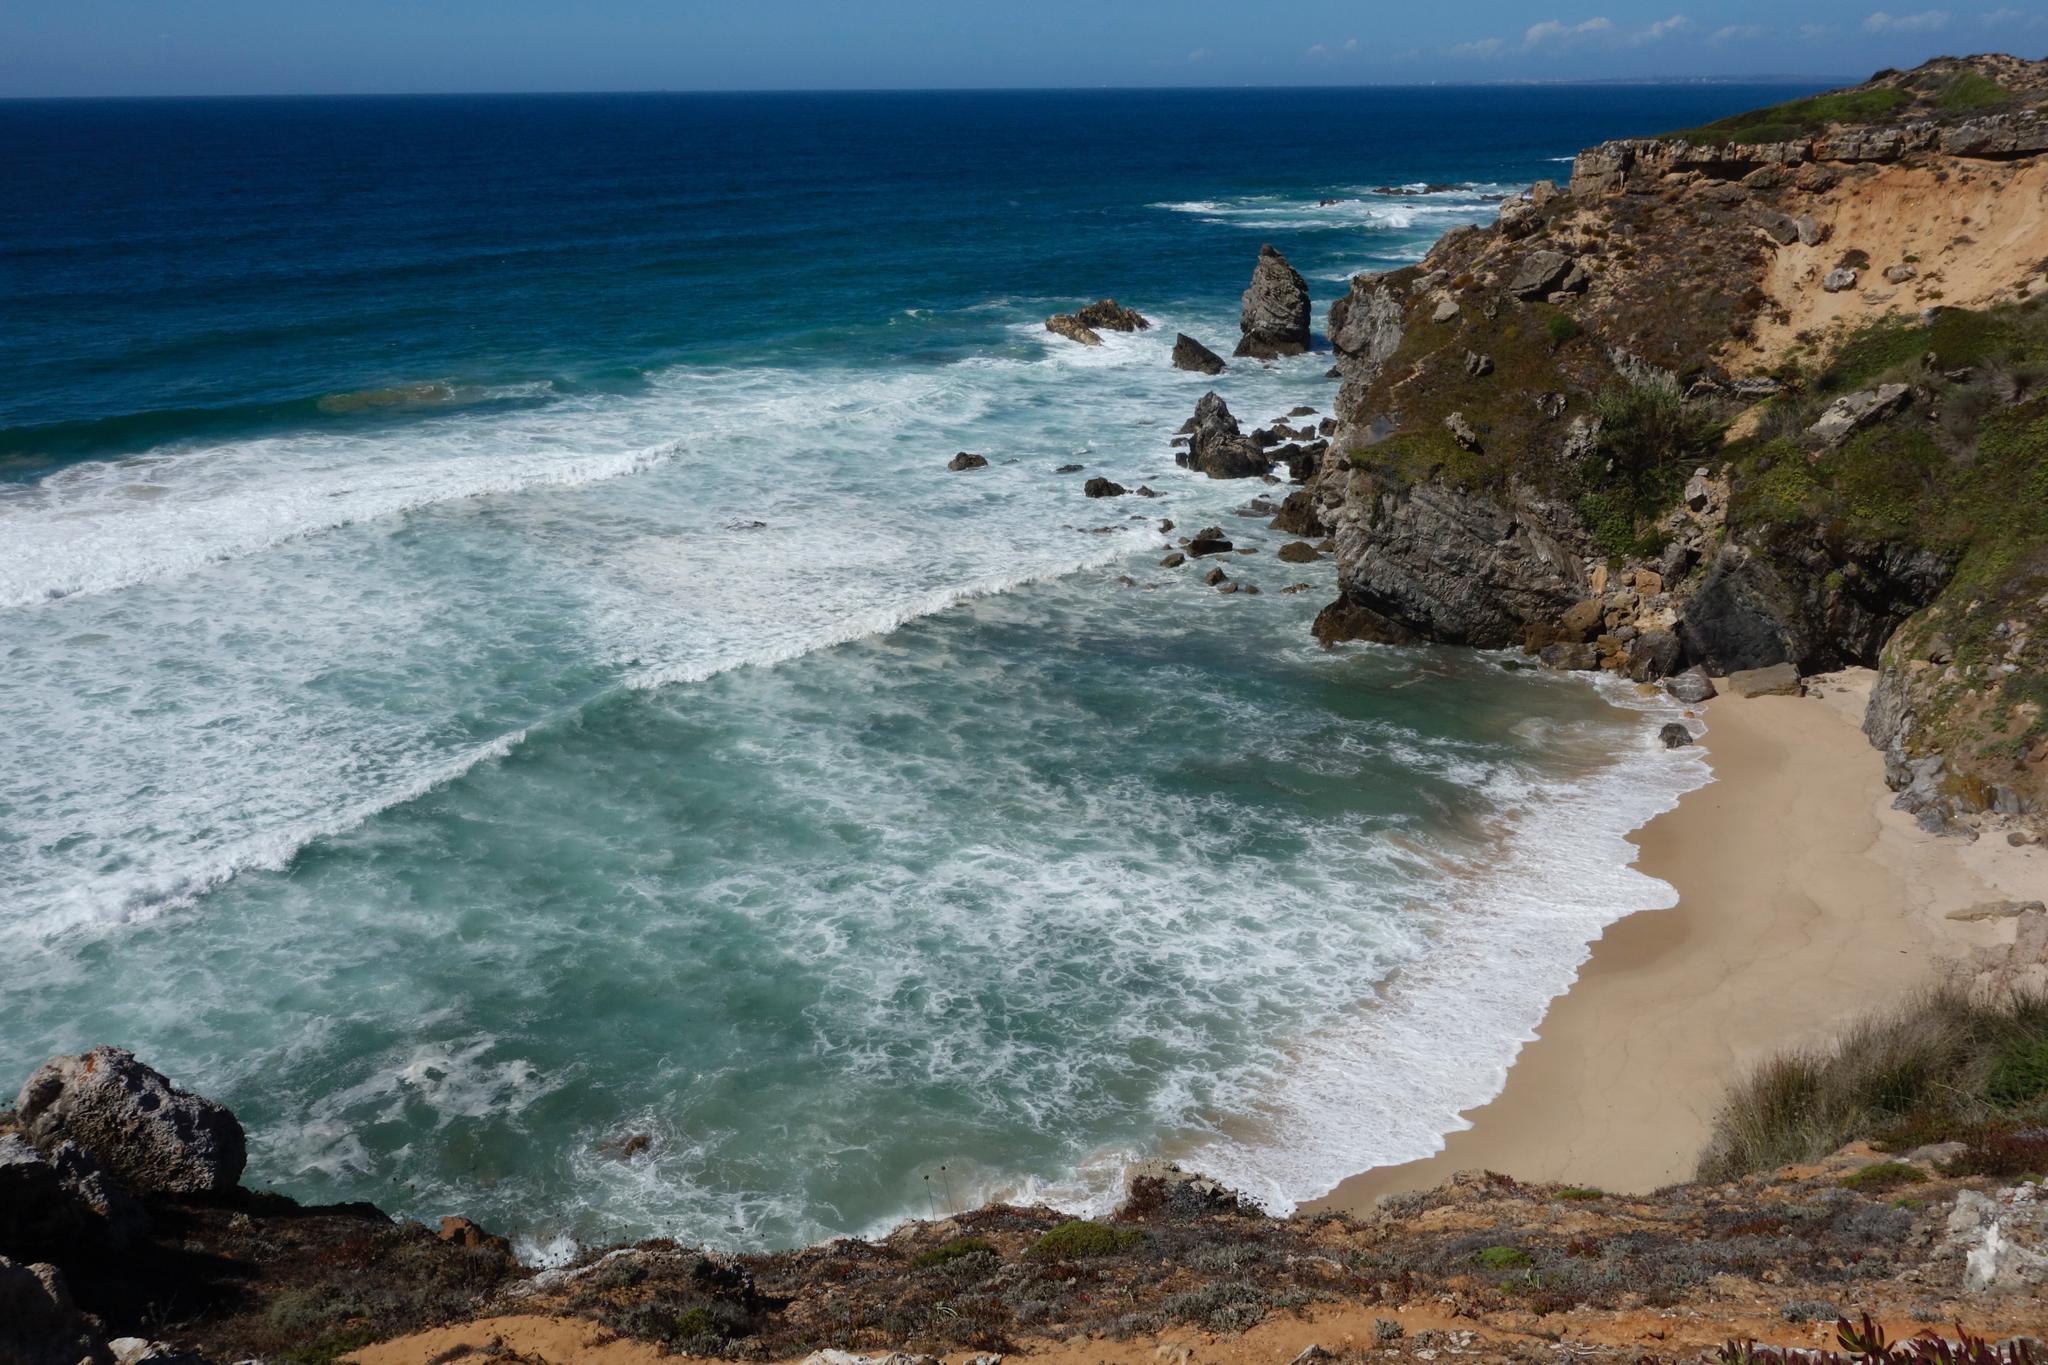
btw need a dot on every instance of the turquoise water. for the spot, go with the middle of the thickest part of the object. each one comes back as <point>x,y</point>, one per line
<point>496,664</point>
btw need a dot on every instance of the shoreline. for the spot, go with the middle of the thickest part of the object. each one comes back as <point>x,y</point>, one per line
<point>1801,897</point>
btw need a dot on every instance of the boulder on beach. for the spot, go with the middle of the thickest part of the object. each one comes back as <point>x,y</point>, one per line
<point>1275,309</point>
<point>1190,354</point>
<point>1674,735</point>
<point>155,1138</point>
<point>1691,687</point>
<point>967,460</point>
<point>1778,680</point>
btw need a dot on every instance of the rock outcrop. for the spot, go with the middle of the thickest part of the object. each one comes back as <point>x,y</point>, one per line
<point>1275,316</point>
<point>1073,329</point>
<point>153,1137</point>
<point>1107,315</point>
<point>1218,447</point>
<point>1190,354</point>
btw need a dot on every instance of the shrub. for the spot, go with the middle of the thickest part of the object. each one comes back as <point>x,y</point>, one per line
<point>1082,1238</point>
<point>1796,118</point>
<point>1581,1193</point>
<point>1648,442</point>
<point>1972,91</point>
<point>952,1251</point>
<point>1810,1310</point>
<point>1923,1068</point>
<point>2020,1075</point>
<point>1563,327</point>
<point>1504,1258</point>
<point>1885,1175</point>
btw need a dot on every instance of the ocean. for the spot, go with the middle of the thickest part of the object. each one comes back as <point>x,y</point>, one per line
<point>501,688</point>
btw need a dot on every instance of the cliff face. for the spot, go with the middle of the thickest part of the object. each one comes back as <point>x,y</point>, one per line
<point>1763,392</point>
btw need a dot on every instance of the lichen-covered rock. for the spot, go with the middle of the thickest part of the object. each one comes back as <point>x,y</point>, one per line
<point>1365,327</point>
<point>1839,279</point>
<point>1539,273</point>
<point>2003,1240</point>
<point>1275,314</point>
<point>153,1137</point>
<point>1856,410</point>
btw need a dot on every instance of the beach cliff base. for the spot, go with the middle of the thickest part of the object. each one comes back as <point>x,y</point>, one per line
<point>1804,900</point>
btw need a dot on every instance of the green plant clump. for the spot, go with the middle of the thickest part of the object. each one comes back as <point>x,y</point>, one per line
<point>1885,1175</point>
<point>1797,118</point>
<point>1972,91</point>
<point>1504,1258</point>
<point>952,1251</point>
<point>1082,1238</point>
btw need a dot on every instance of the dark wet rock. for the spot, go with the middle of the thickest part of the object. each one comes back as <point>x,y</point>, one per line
<point>1674,735</point>
<point>1275,313</point>
<point>1345,620</point>
<point>1190,354</point>
<point>1107,315</point>
<point>1217,446</point>
<point>1073,329</point>
<point>1228,585</point>
<point>1300,515</point>
<point>966,460</point>
<point>1173,560</point>
<point>1298,552</point>
<point>1302,461</point>
<point>1210,540</point>
<point>1145,491</point>
<point>1302,410</point>
<point>1099,487</point>
<point>153,1137</point>
<point>1070,469</point>
<point>1215,576</point>
<point>1652,655</point>
<point>1568,657</point>
<point>1257,507</point>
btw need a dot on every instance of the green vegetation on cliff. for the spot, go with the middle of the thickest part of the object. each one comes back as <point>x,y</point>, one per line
<point>1799,118</point>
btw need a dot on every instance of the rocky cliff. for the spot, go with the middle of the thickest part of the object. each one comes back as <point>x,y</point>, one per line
<point>1768,392</point>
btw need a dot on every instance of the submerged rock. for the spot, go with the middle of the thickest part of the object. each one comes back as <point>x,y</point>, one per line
<point>1275,315</point>
<point>1099,487</point>
<point>154,1137</point>
<point>966,460</point>
<point>1674,735</point>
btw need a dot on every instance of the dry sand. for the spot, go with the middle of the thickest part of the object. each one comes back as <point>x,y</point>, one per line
<point>1803,899</point>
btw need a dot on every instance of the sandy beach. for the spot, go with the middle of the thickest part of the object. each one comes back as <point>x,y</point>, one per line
<point>1803,898</point>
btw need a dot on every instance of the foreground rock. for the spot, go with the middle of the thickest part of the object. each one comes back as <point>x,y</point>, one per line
<point>152,1136</point>
<point>1275,315</point>
<point>966,460</point>
<point>1190,354</point>
<point>1073,329</point>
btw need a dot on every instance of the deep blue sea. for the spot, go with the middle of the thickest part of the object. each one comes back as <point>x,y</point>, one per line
<point>493,664</point>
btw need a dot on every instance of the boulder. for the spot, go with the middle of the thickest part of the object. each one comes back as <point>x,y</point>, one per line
<point>1300,516</point>
<point>153,1137</point>
<point>1190,354</point>
<point>1107,315</point>
<point>1539,273</point>
<point>1852,411</point>
<point>1218,447</point>
<point>1446,310</point>
<point>1810,232</point>
<point>1777,680</point>
<point>1899,274</point>
<point>1298,552</point>
<point>1070,469</point>
<point>1216,578</point>
<point>1581,621</point>
<point>966,460</point>
<point>2002,1238</point>
<point>1838,279</point>
<point>1210,540</point>
<point>1781,228</point>
<point>1652,655</point>
<point>1461,431</point>
<point>39,1323</point>
<point>1674,735</point>
<point>1173,560</point>
<point>1570,657</point>
<point>1099,487</point>
<point>1478,366</point>
<point>1691,687</point>
<point>1275,313</point>
<point>1073,329</point>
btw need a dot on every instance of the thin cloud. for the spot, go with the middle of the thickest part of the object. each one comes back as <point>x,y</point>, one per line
<point>1351,44</point>
<point>1926,21</point>
<point>1485,47</point>
<point>1664,28</point>
<point>1552,30</point>
<point>1736,33</point>
<point>2011,18</point>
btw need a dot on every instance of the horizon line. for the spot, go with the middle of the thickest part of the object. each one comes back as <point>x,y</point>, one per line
<point>1773,78</point>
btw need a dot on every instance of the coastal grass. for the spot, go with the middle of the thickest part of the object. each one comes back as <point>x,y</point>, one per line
<point>1940,1066</point>
<point>1798,118</point>
<point>1083,1238</point>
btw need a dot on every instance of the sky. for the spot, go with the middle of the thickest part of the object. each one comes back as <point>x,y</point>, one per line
<point>224,47</point>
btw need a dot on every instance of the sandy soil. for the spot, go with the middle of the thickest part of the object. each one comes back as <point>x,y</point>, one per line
<point>1975,231</point>
<point>1802,897</point>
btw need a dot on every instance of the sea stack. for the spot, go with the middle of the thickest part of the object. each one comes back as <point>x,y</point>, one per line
<point>1275,318</point>
<point>1190,354</point>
